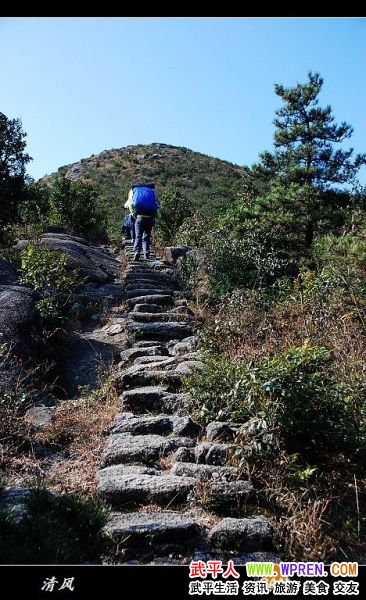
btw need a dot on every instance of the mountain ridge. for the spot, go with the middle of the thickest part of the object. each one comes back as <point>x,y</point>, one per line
<point>207,181</point>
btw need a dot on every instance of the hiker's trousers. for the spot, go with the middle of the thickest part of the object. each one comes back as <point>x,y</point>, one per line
<point>143,229</point>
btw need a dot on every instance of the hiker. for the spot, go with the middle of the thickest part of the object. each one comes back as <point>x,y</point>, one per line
<point>143,205</point>
<point>128,228</point>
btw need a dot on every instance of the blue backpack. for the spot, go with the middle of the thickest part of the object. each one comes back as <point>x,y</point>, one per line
<point>144,201</point>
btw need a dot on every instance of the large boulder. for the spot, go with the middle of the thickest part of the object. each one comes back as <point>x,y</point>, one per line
<point>17,318</point>
<point>92,263</point>
<point>8,274</point>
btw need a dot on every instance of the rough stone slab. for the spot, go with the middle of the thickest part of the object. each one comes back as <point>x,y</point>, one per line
<point>242,534</point>
<point>163,527</point>
<point>147,317</point>
<point>132,287</point>
<point>113,329</point>
<point>182,302</point>
<point>188,344</point>
<point>182,455</point>
<point>184,310</point>
<point>147,343</point>
<point>198,471</point>
<point>146,397</point>
<point>142,292</point>
<point>126,448</point>
<point>152,308</point>
<point>141,376</point>
<point>226,496</point>
<point>120,487</point>
<point>39,416</point>
<point>188,367</point>
<point>132,354</point>
<point>161,425</point>
<point>158,361</point>
<point>212,453</point>
<point>160,330</point>
<point>219,431</point>
<point>186,357</point>
<point>153,399</point>
<point>162,299</point>
<point>174,403</point>
<point>150,278</point>
<point>184,426</point>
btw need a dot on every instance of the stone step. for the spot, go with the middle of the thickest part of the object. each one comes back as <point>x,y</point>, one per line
<point>150,266</point>
<point>153,399</point>
<point>147,449</point>
<point>150,277</point>
<point>164,527</point>
<point>189,469</point>
<point>134,486</point>
<point>159,330</point>
<point>150,308</point>
<point>219,489</point>
<point>182,310</point>
<point>163,299</point>
<point>129,355</point>
<point>166,317</point>
<point>252,534</point>
<point>160,425</point>
<point>141,376</point>
<point>188,344</point>
<point>152,291</point>
<point>155,360</point>
<point>149,269</point>
<point>213,453</point>
<point>148,344</point>
<point>131,287</point>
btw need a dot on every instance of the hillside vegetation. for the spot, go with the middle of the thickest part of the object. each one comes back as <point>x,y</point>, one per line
<point>274,258</point>
<point>208,182</point>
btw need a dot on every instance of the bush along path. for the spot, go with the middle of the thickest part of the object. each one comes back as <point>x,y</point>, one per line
<point>173,493</point>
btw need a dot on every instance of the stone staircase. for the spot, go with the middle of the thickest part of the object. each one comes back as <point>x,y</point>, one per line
<point>174,497</point>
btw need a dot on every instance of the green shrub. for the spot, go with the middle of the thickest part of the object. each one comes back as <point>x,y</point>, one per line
<point>174,209</point>
<point>43,268</point>
<point>194,231</point>
<point>308,410</point>
<point>46,272</point>
<point>250,261</point>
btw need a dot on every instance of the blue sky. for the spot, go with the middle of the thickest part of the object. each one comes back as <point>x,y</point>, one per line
<point>83,85</point>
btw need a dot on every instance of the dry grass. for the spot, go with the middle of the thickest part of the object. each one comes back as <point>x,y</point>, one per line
<point>65,455</point>
<point>79,427</point>
<point>322,516</point>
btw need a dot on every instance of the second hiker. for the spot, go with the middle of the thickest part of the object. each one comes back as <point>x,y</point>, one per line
<point>143,205</point>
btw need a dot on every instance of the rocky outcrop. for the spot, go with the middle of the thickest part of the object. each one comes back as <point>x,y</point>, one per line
<point>18,321</point>
<point>92,263</point>
<point>8,273</point>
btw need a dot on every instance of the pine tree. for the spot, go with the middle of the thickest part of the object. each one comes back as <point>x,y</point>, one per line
<point>306,169</point>
<point>304,141</point>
